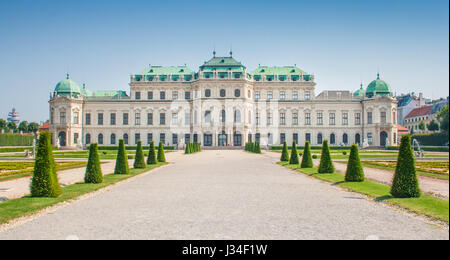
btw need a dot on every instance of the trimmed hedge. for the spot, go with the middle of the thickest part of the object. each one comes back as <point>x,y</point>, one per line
<point>161,155</point>
<point>326,164</point>
<point>16,140</point>
<point>294,154</point>
<point>151,154</point>
<point>425,148</point>
<point>354,172</point>
<point>307,159</point>
<point>93,170</point>
<point>131,148</point>
<point>405,184</point>
<point>122,160</point>
<point>312,147</point>
<point>139,161</point>
<point>431,139</point>
<point>45,180</point>
<point>285,153</point>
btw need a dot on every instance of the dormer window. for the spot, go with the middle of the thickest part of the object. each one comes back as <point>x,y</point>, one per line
<point>222,61</point>
<point>293,71</point>
<point>151,71</point>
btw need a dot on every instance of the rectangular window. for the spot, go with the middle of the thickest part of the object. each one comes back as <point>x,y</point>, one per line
<point>282,118</point>
<point>319,118</point>
<point>137,118</point>
<point>332,118</point>
<point>257,95</point>
<point>207,116</point>
<point>187,95</point>
<point>308,137</point>
<point>62,117</point>
<point>187,118</point>
<point>88,119</point>
<point>187,138</point>
<point>162,138</point>
<point>370,138</point>
<point>174,139</point>
<point>113,119</point>
<point>295,137</point>
<point>162,95</point>
<point>269,95</point>
<point>149,138</point>
<point>345,118</point>
<point>162,118</point>
<point>137,138</point>
<point>269,118</point>
<point>174,95</point>
<point>100,118</point>
<point>75,138</point>
<point>394,118</point>
<point>76,118</point>
<point>174,118</point>
<point>257,119</point>
<point>282,138</point>
<point>137,95</point>
<point>307,95</point>
<point>295,118</point>
<point>357,118</point>
<point>369,118</point>
<point>282,95</point>
<point>383,117</point>
<point>295,95</point>
<point>125,118</point>
<point>149,118</point>
<point>270,138</point>
<point>307,118</point>
<point>150,95</point>
<point>257,137</point>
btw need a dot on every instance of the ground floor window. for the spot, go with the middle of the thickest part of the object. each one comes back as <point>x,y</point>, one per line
<point>113,139</point>
<point>174,139</point>
<point>345,138</point>
<point>75,138</point>
<point>282,138</point>
<point>257,137</point>
<point>195,138</point>
<point>100,139</point>
<point>319,139</point>
<point>137,138</point>
<point>308,137</point>
<point>295,138</point>
<point>370,138</point>
<point>332,139</point>
<point>88,138</point>
<point>187,138</point>
<point>149,138</point>
<point>125,139</point>
<point>162,138</point>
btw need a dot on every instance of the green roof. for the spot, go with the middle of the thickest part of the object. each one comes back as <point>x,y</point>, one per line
<point>67,86</point>
<point>360,92</point>
<point>378,87</point>
<point>220,62</point>
<point>286,70</point>
<point>172,70</point>
<point>110,93</point>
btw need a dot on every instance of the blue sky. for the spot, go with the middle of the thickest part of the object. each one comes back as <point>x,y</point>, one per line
<point>101,42</point>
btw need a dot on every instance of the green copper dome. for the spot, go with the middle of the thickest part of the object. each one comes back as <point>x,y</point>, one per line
<point>378,87</point>
<point>67,86</point>
<point>360,92</point>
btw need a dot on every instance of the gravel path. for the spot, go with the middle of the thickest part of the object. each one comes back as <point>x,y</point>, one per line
<point>225,195</point>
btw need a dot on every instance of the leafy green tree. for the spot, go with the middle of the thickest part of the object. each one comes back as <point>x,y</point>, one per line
<point>326,164</point>
<point>354,171</point>
<point>45,181</point>
<point>307,161</point>
<point>93,170</point>
<point>405,184</point>
<point>284,153</point>
<point>422,126</point>
<point>152,154</point>
<point>23,127</point>
<point>433,126</point>
<point>443,119</point>
<point>161,155</point>
<point>33,127</point>
<point>2,124</point>
<point>139,159</point>
<point>294,154</point>
<point>12,127</point>
<point>122,166</point>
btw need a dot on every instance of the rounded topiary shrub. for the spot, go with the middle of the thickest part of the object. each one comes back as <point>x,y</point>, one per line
<point>161,155</point>
<point>284,153</point>
<point>139,161</point>
<point>306,159</point>
<point>93,170</point>
<point>314,157</point>
<point>122,160</point>
<point>45,181</point>
<point>294,154</point>
<point>326,164</point>
<point>354,171</point>
<point>405,183</point>
<point>151,154</point>
<point>345,153</point>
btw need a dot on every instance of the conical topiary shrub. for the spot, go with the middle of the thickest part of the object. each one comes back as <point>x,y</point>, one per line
<point>307,161</point>
<point>405,183</point>
<point>161,155</point>
<point>122,166</point>
<point>326,164</point>
<point>93,170</point>
<point>151,154</point>
<point>294,154</point>
<point>354,171</point>
<point>284,153</point>
<point>258,148</point>
<point>45,181</point>
<point>139,159</point>
<point>187,149</point>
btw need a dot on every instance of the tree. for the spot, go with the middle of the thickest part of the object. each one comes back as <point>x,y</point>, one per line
<point>285,153</point>
<point>139,159</point>
<point>188,149</point>
<point>443,119</point>
<point>257,148</point>
<point>294,154</point>
<point>152,154</point>
<point>2,124</point>
<point>12,127</point>
<point>23,127</point>
<point>422,126</point>
<point>45,181</point>
<point>307,159</point>
<point>433,126</point>
<point>122,166</point>
<point>93,170</point>
<point>405,184</point>
<point>161,155</point>
<point>354,171</point>
<point>33,127</point>
<point>326,164</point>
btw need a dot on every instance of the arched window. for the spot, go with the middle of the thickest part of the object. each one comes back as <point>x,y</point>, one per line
<point>207,93</point>
<point>345,138</point>
<point>125,139</point>
<point>113,139</point>
<point>237,93</point>
<point>88,138</point>
<point>358,139</point>
<point>332,139</point>
<point>100,138</point>
<point>222,116</point>
<point>319,138</point>
<point>237,116</point>
<point>222,93</point>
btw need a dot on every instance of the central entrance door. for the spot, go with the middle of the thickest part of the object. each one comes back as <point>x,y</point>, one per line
<point>222,139</point>
<point>207,139</point>
<point>237,139</point>
<point>62,138</point>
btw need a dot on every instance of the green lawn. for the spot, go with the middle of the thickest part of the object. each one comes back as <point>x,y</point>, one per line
<point>419,172</point>
<point>426,205</point>
<point>27,205</point>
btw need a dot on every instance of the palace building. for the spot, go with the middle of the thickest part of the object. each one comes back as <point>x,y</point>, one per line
<point>223,104</point>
